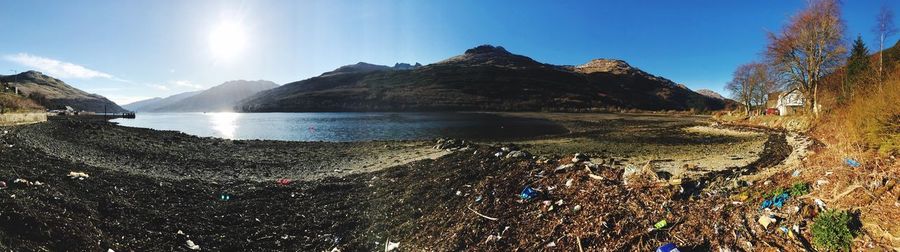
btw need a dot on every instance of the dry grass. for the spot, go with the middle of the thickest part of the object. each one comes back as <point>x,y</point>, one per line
<point>866,129</point>
<point>14,103</point>
<point>873,119</point>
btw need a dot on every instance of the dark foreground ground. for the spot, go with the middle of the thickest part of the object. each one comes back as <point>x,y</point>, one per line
<point>429,204</point>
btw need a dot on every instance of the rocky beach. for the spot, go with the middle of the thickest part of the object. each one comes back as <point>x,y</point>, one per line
<point>147,190</point>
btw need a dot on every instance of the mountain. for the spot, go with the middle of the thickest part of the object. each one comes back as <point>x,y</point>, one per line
<point>53,93</point>
<point>710,93</point>
<point>154,104</point>
<point>220,98</point>
<point>482,78</point>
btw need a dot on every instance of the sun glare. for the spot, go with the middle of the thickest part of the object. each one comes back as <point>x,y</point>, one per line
<point>227,40</point>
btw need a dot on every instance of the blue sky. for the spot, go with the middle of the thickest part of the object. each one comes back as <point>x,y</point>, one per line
<point>130,50</point>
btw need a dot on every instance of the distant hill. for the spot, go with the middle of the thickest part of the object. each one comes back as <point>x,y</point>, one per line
<point>154,104</point>
<point>710,93</point>
<point>53,93</point>
<point>483,78</point>
<point>216,99</point>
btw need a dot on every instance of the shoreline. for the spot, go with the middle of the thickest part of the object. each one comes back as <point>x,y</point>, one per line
<point>417,203</point>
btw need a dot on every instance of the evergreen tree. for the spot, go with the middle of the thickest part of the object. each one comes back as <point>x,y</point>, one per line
<point>858,67</point>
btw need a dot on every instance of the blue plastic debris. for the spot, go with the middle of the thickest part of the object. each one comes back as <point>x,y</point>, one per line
<point>765,204</point>
<point>851,162</point>
<point>778,200</point>
<point>668,247</point>
<point>528,193</point>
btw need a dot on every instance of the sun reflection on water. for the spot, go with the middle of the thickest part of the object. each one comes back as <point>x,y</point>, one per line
<point>224,123</point>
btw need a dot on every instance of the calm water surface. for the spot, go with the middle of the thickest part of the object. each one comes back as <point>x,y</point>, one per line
<point>345,126</point>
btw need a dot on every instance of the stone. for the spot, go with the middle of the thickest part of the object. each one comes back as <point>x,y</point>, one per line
<point>517,154</point>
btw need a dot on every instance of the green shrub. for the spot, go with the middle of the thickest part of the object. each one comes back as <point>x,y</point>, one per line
<point>799,189</point>
<point>831,231</point>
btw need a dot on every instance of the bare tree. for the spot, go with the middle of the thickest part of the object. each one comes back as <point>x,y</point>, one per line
<point>742,86</point>
<point>884,28</point>
<point>766,83</point>
<point>809,47</point>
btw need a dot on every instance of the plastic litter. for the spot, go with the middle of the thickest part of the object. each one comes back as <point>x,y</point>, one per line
<point>660,224</point>
<point>579,157</point>
<point>190,244</point>
<point>668,247</point>
<point>391,246</point>
<point>766,220</point>
<point>225,197</point>
<point>569,183</point>
<point>777,201</point>
<point>851,162</point>
<point>820,203</point>
<point>2,185</point>
<point>78,175</point>
<point>550,245</point>
<point>528,193</point>
<point>283,181</point>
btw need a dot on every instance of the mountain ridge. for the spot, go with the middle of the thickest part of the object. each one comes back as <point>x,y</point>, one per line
<point>483,78</point>
<point>53,93</point>
<point>220,98</point>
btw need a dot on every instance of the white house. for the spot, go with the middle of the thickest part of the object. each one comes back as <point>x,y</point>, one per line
<point>787,103</point>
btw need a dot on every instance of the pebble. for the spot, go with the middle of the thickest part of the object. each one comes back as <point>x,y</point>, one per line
<point>192,246</point>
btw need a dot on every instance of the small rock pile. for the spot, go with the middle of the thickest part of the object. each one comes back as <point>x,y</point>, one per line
<point>451,144</point>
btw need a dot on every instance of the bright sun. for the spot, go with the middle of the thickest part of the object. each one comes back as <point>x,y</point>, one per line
<point>227,40</point>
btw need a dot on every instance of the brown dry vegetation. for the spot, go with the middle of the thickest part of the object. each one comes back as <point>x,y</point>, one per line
<point>15,103</point>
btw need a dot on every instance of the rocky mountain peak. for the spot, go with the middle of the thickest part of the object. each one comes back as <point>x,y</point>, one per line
<point>614,66</point>
<point>488,55</point>
<point>406,66</point>
<point>711,94</point>
<point>488,49</point>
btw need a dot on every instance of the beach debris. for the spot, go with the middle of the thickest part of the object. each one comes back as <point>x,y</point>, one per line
<point>569,182</point>
<point>505,149</point>
<point>2,185</point>
<point>283,181</point>
<point>821,182</point>
<point>563,167</point>
<point>391,246</point>
<point>580,157</point>
<point>224,197</point>
<point>851,162</point>
<point>458,193</point>
<point>517,154</point>
<point>78,175</point>
<point>765,220</point>
<point>449,143</point>
<point>180,232</point>
<point>498,154</point>
<point>335,249</point>
<point>482,215</point>
<point>597,177</point>
<point>550,245</point>
<point>634,176</point>
<point>23,182</point>
<point>191,245</point>
<point>528,193</point>
<point>660,224</point>
<point>820,204</point>
<point>795,173</point>
<point>776,201</point>
<point>110,250</point>
<point>576,209</point>
<point>668,247</point>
